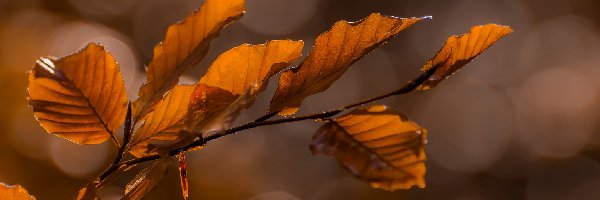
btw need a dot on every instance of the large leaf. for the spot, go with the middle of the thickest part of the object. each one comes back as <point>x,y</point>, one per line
<point>458,51</point>
<point>378,145</point>
<point>235,78</point>
<point>185,44</point>
<point>334,51</point>
<point>165,123</point>
<point>80,97</point>
<point>14,192</point>
<point>146,180</point>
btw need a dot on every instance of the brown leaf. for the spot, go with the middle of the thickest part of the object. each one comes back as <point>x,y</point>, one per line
<point>87,193</point>
<point>334,51</point>
<point>146,180</point>
<point>458,51</point>
<point>185,45</point>
<point>235,78</point>
<point>378,145</point>
<point>164,123</point>
<point>14,192</point>
<point>80,97</point>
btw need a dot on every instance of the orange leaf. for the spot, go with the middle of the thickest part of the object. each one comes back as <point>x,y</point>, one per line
<point>80,97</point>
<point>235,78</point>
<point>15,192</point>
<point>146,180</point>
<point>164,124</point>
<point>378,145</point>
<point>87,193</point>
<point>334,51</point>
<point>183,175</point>
<point>185,45</point>
<point>458,51</point>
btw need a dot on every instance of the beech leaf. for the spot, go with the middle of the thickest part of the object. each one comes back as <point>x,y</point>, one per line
<point>183,175</point>
<point>334,51</point>
<point>146,180</point>
<point>80,97</point>
<point>164,123</point>
<point>378,145</point>
<point>185,44</point>
<point>14,192</point>
<point>87,193</point>
<point>458,51</point>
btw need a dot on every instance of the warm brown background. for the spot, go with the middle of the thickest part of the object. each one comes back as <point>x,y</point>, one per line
<point>520,122</point>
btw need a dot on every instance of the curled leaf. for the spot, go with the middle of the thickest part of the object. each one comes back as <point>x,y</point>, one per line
<point>87,193</point>
<point>165,123</point>
<point>183,175</point>
<point>80,97</point>
<point>185,44</point>
<point>458,51</point>
<point>378,145</point>
<point>14,192</point>
<point>334,51</point>
<point>146,180</point>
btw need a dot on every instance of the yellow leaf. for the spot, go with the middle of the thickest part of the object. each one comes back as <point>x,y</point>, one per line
<point>15,192</point>
<point>235,78</point>
<point>458,51</point>
<point>185,45</point>
<point>80,97</point>
<point>334,51</point>
<point>146,180</point>
<point>165,123</point>
<point>378,145</point>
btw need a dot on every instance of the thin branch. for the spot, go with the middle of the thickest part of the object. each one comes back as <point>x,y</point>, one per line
<point>126,137</point>
<point>410,86</point>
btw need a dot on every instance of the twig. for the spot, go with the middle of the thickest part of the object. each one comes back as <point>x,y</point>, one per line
<point>126,137</point>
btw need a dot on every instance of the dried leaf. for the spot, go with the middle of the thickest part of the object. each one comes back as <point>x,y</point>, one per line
<point>80,97</point>
<point>183,175</point>
<point>185,45</point>
<point>87,193</point>
<point>378,145</point>
<point>333,53</point>
<point>458,51</point>
<point>14,192</point>
<point>245,69</point>
<point>163,124</point>
<point>146,180</point>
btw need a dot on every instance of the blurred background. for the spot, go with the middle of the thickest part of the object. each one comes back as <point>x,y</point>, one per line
<point>520,122</point>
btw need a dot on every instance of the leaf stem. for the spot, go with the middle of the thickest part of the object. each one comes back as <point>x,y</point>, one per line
<point>127,127</point>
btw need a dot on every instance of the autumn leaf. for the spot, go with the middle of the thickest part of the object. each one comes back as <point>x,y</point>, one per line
<point>87,193</point>
<point>238,75</point>
<point>378,145</point>
<point>164,123</point>
<point>334,51</point>
<point>146,180</point>
<point>80,97</point>
<point>14,192</point>
<point>458,51</point>
<point>185,44</point>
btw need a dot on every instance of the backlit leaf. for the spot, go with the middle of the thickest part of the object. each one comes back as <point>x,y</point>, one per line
<point>14,192</point>
<point>184,46</point>
<point>183,175</point>
<point>378,145</point>
<point>87,193</point>
<point>334,51</point>
<point>146,180</point>
<point>235,78</point>
<point>164,123</point>
<point>458,51</point>
<point>80,97</point>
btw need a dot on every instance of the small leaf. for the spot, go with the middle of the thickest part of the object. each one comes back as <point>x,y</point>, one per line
<point>14,192</point>
<point>185,44</point>
<point>334,51</point>
<point>80,97</point>
<point>378,145</point>
<point>163,124</point>
<point>234,79</point>
<point>183,175</point>
<point>458,51</point>
<point>87,193</point>
<point>146,180</point>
